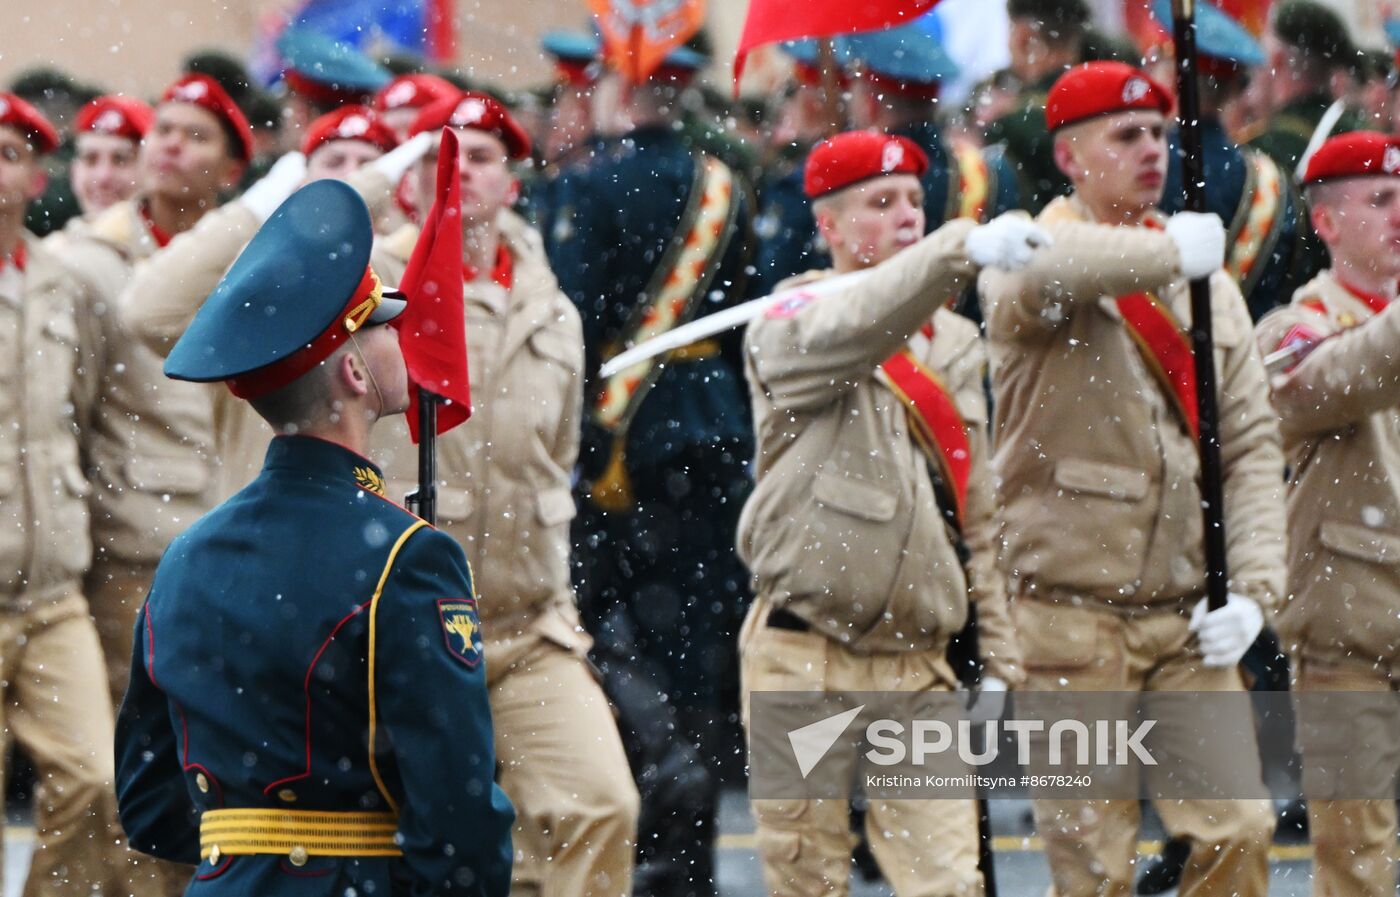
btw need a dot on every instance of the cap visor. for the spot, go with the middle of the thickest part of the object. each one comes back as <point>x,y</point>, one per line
<point>391,305</point>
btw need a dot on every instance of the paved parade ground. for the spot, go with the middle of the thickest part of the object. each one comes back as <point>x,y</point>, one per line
<point>1021,867</point>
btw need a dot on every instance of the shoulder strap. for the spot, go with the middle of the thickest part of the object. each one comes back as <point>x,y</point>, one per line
<point>672,297</point>
<point>1258,222</point>
<point>935,422</point>
<point>1161,339</point>
<point>969,183</point>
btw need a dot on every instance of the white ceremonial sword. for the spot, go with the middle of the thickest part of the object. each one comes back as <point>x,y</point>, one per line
<point>724,320</point>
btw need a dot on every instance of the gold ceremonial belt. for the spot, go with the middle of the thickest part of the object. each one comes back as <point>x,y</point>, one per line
<point>296,834</point>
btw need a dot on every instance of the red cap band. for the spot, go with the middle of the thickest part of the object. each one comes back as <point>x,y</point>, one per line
<point>1102,88</point>
<point>1356,154</point>
<point>206,93</point>
<point>116,115</point>
<point>349,123</point>
<point>855,156</point>
<point>18,114</point>
<point>477,112</point>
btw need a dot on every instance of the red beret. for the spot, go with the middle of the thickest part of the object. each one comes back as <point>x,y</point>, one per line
<point>349,123</point>
<point>1356,154</point>
<point>206,93</point>
<point>855,156</point>
<point>475,111</point>
<point>116,115</point>
<point>1102,88</point>
<point>413,92</point>
<point>18,114</point>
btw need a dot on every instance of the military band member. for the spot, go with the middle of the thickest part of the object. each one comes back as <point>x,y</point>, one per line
<point>52,702</point>
<point>1097,468</point>
<point>1340,414</point>
<point>505,495</point>
<point>834,385</point>
<point>1047,37</point>
<point>648,232</point>
<point>307,711</point>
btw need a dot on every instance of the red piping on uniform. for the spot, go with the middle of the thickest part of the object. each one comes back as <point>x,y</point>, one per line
<point>306,689</point>
<point>185,764</point>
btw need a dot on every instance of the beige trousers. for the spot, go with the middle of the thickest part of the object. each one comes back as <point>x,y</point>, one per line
<point>115,591</point>
<point>562,764</point>
<point>49,663</point>
<point>925,848</point>
<point>1092,845</point>
<point>1354,850</point>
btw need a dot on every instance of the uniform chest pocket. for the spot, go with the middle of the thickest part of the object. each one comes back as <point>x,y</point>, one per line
<point>58,352</point>
<point>854,497</point>
<point>1363,543</point>
<point>177,476</point>
<point>1097,478</point>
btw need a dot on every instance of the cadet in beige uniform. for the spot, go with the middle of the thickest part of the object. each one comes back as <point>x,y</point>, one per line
<point>505,496</point>
<point>1340,412</point>
<point>1097,470</point>
<point>166,291</point>
<point>50,659</point>
<point>107,135</point>
<point>149,447</point>
<point>840,467</point>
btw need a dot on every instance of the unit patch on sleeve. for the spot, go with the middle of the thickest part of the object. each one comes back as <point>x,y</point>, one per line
<point>461,628</point>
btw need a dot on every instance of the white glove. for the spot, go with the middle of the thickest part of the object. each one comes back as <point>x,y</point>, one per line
<point>989,702</point>
<point>1005,242</point>
<point>1225,634</point>
<point>396,162</point>
<point>1200,238</point>
<point>280,182</point>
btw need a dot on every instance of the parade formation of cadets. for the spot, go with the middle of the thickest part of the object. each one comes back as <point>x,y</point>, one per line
<point>315,692</point>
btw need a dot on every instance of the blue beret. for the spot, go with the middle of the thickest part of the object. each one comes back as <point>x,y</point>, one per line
<point>288,294</point>
<point>911,53</point>
<point>571,46</point>
<point>328,66</point>
<point>804,51</point>
<point>1218,35</point>
<point>1392,31</point>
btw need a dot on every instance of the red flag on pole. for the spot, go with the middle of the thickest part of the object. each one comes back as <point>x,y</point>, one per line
<point>770,21</point>
<point>440,30</point>
<point>433,330</point>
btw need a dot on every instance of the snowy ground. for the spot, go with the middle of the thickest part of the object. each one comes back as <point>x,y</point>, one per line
<point>1021,869</point>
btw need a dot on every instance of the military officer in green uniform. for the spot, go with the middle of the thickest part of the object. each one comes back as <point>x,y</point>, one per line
<point>1306,44</point>
<point>307,711</point>
<point>1047,37</point>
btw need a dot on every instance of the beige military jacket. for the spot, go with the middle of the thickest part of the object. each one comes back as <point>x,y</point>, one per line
<point>843,527</point>
<point>165,293</point>
<point>49,356</point>
<point>504,475</point>
<point>150,443</point>
<point>1340,414</point>
<point>1097,473</point>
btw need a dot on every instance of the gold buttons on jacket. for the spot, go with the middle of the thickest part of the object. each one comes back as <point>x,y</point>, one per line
<point>201,781</point>
<point>298,856</point>
<point>287,795</point>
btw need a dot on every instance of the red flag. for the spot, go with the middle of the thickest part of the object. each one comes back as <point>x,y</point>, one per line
<point>440,31</point>
<point>433,329</point>
<point>770,21</point>
<point>637,34</point>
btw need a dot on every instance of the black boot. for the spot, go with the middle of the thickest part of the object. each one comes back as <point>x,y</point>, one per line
<point>1162,873</point>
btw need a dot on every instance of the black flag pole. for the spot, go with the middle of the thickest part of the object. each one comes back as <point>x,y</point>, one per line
<point>423,501</point>
<point>1202,338</point>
